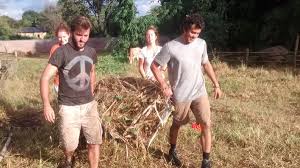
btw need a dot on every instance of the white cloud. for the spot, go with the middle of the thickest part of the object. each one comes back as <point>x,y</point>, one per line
<point>144,6</point>
<point>15,8</point>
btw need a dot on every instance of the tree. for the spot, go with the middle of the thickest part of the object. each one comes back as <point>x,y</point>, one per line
<point>70,8</point>
<point>31,18</point>
<point>97,9</point>
<point>5,30</point>
<point>51,18</point>
<point>110,27</point>
<point>171,14</point>
<point>234,23</point>
<point>7,27</point>
<point>93,9</point>
<point>129,28</point>
<point>280,25</point>
<point>123,15</point>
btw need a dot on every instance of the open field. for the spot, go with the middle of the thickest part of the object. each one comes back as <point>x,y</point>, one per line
<point>256,123</point>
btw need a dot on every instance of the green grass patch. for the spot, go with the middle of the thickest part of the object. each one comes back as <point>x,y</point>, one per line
<point>109,65</point>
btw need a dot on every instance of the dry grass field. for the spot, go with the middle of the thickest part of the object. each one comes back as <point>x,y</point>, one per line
<point>256,123</point>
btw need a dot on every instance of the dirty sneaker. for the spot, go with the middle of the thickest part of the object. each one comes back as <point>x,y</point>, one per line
<point>174,158</point>
<point>205,163</point>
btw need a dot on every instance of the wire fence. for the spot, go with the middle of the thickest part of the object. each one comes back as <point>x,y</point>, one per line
<point>290,58</point>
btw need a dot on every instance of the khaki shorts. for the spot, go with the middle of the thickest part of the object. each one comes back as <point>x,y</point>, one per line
<point>200,107</point>
<point>73,118</point>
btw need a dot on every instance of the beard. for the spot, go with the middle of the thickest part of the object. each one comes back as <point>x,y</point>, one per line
<point>78,44</point>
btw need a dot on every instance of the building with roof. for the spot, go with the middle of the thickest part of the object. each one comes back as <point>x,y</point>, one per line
<point>32,32</point>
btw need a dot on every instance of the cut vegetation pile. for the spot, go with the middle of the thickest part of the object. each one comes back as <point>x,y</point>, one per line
<point>132,109</point>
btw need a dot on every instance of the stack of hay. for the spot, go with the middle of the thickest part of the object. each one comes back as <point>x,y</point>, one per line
<point>132,109</point>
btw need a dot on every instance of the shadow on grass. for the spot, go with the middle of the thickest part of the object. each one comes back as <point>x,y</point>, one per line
<point>295,102</point>
<point>22,115</point>
<point>158,154</point>
<point>32,138</point>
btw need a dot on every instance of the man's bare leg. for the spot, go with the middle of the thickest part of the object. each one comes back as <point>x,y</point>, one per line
<point>93,154</point>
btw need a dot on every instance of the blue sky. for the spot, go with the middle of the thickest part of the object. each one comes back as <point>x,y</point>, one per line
<point>15,8</point>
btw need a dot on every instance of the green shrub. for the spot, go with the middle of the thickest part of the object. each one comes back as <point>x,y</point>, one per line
<point>109,65</point>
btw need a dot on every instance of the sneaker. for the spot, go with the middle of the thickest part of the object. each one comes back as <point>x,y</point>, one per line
<point>174,158</point>
<point>205,163</point>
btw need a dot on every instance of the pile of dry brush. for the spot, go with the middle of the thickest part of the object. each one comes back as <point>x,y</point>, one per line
<point>132,109</point>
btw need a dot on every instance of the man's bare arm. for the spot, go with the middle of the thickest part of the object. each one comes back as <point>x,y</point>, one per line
<point>49,71</point>
<point>93,78</point>
<point>158,75</point>
<point>211,74</point>
<point>141,67</point>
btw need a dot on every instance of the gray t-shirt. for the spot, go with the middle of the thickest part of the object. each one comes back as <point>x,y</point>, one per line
<point>74,68</point>
<point>185,67</point>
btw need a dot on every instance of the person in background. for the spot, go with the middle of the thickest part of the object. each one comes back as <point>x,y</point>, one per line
<point>149,52</point>
<point>75,63</point>
<point>185,57</point>
<point>62,34</point>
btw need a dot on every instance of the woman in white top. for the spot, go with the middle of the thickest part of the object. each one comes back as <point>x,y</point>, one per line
<point>148,53</point>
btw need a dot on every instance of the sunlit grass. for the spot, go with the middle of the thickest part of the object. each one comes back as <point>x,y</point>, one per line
<point>255,124</point>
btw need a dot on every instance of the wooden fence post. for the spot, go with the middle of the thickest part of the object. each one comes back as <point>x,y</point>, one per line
<point>16,54</point>
<point>214,53</point>
<point>247,56</point>
<point>295,53</point>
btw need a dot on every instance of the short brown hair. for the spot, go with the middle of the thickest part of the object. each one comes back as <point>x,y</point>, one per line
<point>151,27</point>
<point>80,22</point>
<point>193,19</point>
<point>62,27</point>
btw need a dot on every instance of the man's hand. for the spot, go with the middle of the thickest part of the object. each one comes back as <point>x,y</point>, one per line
<point>217,92</point>
<point>49,114</point>
<point>159,77</point>
<point>167,91</point>
<point>49,71</point>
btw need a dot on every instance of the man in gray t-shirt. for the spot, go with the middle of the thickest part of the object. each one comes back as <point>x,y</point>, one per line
<point>75,63</point>
<point>185,57</point>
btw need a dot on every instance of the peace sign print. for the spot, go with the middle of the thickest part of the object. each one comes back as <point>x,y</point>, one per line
<point>82,80</point>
